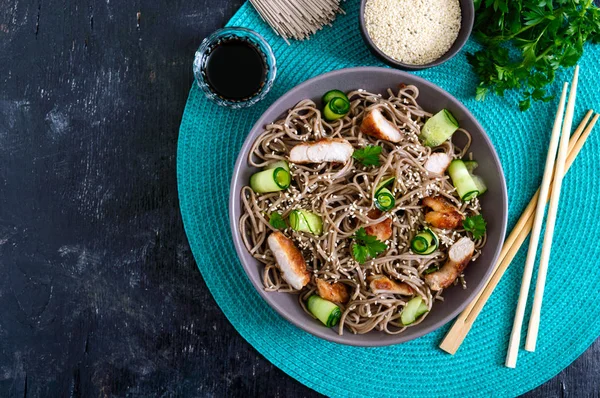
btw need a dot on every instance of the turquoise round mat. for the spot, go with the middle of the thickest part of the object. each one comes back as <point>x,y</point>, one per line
<point>210,138</point>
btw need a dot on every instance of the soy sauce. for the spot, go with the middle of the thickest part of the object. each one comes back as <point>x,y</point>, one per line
<point>235,69</point>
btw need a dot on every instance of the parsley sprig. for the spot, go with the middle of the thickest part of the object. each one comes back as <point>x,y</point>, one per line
<point>525,42</point>
<point>368,156</point>
<point>277,221</point>
<point>366,246</point>
<point>475,225</point>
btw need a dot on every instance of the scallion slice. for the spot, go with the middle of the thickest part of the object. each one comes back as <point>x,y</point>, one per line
<point>306,221</point>
<point>270,180</point>
<point>384,200</point>
<point>325,311</point>
<point>335,109</point>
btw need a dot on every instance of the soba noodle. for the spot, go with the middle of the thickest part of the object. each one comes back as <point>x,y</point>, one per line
<point>342,195</point>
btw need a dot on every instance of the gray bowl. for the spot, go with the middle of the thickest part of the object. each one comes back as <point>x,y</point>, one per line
<point>468,17</point>
<point>494,202</point>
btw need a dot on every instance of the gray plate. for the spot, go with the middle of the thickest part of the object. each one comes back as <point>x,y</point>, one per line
<point>494,202</point>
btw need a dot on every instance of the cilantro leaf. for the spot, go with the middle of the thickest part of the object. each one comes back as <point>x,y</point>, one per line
<point>366,246</point>
<point>360,253</point>
<point>475,225</point>
<point>277,221</point>
<point>368,156</point>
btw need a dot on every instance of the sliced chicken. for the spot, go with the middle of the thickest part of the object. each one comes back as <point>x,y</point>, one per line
<point>289,260</point>
<point>444,214</point>
<point>438,162</point>
<point>376,125</point>
<point>381,284</point>
<point>336,292</point>
<point>382,230</point>
<point>336,150</point>
<point>459,255</point>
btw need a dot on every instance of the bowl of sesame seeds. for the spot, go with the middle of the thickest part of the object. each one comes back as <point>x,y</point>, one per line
<point>416,34</point>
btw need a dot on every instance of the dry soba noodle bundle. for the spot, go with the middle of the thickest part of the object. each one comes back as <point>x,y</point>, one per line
<point>372,294</point>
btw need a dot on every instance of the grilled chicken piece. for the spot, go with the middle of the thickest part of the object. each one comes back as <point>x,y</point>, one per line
<point>444,214</point>
<point>336,150</point>
<point>376,125</point>
<point>382,230</point>
<point>336,292</point>
<point>380,284</point>
<point>438,162</point>
<point>459,256</point>
<point>289,260</point>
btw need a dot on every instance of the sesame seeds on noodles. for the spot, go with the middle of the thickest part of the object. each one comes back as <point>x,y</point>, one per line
<point>342,195</point>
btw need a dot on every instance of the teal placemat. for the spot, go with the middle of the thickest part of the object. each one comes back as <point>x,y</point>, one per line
<point>210,138</point>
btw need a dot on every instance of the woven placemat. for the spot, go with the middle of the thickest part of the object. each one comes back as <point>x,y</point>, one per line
<point>209,141</point>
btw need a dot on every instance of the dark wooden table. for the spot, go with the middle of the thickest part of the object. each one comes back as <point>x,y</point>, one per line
<point>99,293</point>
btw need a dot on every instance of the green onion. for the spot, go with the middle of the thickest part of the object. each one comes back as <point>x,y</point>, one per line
<point>384,200</point>
<point>325,311</point>
<point>270,180</point>
<point>306,221</point>
<point>335,109</point>
<point>438,128</point>
<point>425,242</point>
<point>331,94</point>
<point>412,310</point>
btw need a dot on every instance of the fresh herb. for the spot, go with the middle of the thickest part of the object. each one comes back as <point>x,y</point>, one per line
<point>525,42</point>
<point>431,270</point>
<point>366,246</point>
<point>368,156</point>
<point>475,225</point>
<point>277,221</point>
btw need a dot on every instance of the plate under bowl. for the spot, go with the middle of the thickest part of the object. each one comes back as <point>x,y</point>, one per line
<point>494,202</point>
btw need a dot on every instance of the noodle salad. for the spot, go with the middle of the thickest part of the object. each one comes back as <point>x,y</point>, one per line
<point>364,208</point>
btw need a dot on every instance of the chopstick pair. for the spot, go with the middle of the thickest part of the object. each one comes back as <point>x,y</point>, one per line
<point>512,244</point>
<point>555,174</point>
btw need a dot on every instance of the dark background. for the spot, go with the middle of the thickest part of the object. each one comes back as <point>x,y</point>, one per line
<point>99,293</point>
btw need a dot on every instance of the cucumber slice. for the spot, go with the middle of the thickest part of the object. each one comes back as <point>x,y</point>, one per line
<point>479,184</point>
<point>462,180</point>
<point>421,310</point>
<point>324,310</point>
<point>385,200</point>
<point>331,94</point>
<point>384,182</point>
<point>419,244</point>
<point>409,313</point>
<point>270,180</point>
<point>425,242</point>
<point>335,109</point>
<point>306,221</point>
<point>438,128</point>
<point>471,165</point>
<point>281,163</point>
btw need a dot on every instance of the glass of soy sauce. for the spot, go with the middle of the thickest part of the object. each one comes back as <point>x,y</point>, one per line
<point>235,67</point>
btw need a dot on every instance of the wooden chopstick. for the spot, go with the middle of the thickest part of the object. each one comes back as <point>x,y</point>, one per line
<point>515,336</point>
<point>465,320</point>
<point>534,320</point>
